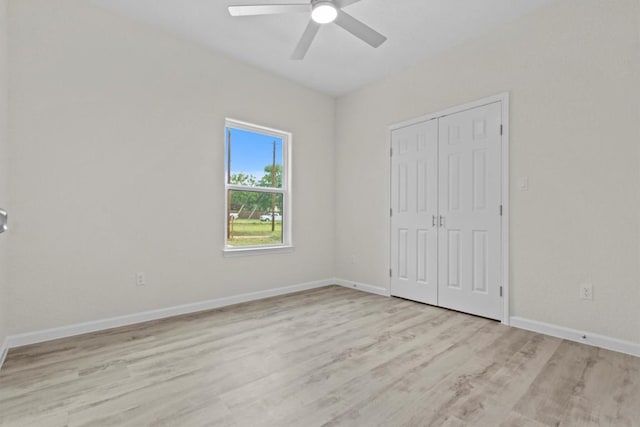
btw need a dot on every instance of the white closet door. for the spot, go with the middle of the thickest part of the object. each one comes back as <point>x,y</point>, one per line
<point>469,202</point>
<point>414,199</point>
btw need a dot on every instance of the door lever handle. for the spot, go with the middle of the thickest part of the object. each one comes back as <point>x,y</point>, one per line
<point>3,221</point>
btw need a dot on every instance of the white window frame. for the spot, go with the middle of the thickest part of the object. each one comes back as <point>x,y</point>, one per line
<point>287,243</point>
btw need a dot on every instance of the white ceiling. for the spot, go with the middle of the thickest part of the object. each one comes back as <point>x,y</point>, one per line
<point>337,62</point>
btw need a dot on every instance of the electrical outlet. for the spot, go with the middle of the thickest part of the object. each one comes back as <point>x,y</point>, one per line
<point>140,279</point>
<point>586,291</point>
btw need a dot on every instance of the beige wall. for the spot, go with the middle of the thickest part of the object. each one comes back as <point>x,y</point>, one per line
<point>4,173</point>
<point>573,73</point>
<point>117,165</point>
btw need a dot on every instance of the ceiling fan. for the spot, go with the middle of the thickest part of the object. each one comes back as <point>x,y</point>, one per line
<point>322,12</point>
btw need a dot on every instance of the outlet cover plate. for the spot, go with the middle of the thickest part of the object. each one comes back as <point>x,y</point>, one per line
<point>586,291</point>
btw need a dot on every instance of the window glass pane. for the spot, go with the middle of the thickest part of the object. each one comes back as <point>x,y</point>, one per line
<point>255,159</point>
<point>255,218</point>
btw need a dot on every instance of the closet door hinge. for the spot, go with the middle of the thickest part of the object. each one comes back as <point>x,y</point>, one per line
<point>500,291</point>
<point>500,210</point>
<point>500,129</point>
<point>390,273</point>
<point>391,151</point>
<point>391,212</point>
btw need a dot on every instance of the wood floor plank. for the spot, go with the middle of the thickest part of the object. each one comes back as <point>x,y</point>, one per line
<point>517,420</point>
<point>600,396</point>
<point>326,357</point>
<point>423,396</point>
<point>549,397</point>
<point>339,383</point>
<point>337,356</point>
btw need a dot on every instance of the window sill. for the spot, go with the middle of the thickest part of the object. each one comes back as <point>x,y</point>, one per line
<point>228,252</point>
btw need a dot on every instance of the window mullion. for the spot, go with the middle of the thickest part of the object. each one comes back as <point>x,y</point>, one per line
<point>255,189</point>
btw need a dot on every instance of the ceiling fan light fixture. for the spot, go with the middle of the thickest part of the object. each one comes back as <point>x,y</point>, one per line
<point>324,12</point>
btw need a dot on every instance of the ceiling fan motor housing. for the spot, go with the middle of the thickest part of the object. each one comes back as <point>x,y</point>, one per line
<point>323,11</point>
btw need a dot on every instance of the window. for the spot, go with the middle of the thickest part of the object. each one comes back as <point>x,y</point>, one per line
<point>258,213</point>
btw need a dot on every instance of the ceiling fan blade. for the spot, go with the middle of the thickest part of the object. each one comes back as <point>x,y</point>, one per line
<point>345,3</point>
<point>359,29</point>
<point>268,9</point>
<point>305,41</point>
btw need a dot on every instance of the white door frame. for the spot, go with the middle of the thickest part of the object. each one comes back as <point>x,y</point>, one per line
<point>504,99</point>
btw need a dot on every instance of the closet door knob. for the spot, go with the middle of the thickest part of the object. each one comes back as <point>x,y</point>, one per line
<point>442,221</point>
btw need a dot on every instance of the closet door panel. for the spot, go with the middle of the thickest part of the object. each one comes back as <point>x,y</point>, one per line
<point>414,204</point>
<point>469,218</point>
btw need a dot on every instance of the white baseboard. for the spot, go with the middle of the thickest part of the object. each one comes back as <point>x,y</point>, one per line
<point>596,340</point>
<point>35,337</point>
<point>378,290</point>
<point>4,349</point>
<point>114,322</point>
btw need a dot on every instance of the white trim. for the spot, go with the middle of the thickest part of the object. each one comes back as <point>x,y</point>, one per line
<point>506,211</point>
<point>4,349</point>
<point>451,110</point>
<point>378,290</point>
<point>389,171</point>
<point>256,250</point>
<point>114,322</point>
<point>251,127</point>
<point>503,98</point>
<point>596,340</point>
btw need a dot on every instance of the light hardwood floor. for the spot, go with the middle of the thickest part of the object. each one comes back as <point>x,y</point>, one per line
<point>330,356</point>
